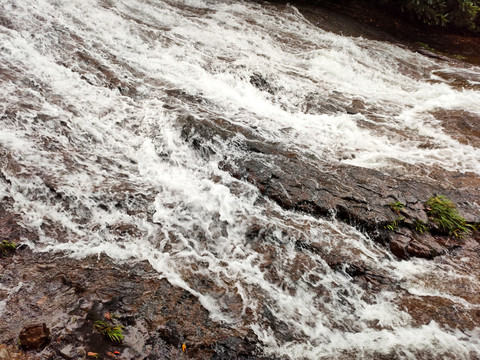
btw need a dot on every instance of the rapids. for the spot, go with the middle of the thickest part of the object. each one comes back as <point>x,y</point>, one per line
<point>93,99</point>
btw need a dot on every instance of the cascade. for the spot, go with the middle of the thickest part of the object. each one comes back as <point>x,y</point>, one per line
<point>249,157</point>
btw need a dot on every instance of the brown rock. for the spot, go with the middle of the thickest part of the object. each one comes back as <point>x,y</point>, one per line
<point>398,246</point>
<point>427,248</point>
<point>34,336</point>
<point>158,317</point>
<point>416,248</point>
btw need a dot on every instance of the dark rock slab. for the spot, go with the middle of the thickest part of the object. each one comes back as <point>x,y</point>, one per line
<point>359,196</point>
<point>406,243</point>
<point>261,83</point>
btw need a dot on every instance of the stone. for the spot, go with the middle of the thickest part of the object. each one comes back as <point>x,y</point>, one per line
<point>67,352</point>
<point>427,247</point>
<point>417,249</point>
<point>398,246</point>
<point>261,83</point>
<point>33,337</point>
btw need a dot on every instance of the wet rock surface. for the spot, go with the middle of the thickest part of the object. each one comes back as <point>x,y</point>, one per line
<point>381,23</point>
<point>70,295</point>
<point>66,297</point>
<point>425,308</point>
<point>463,125</point>
<point>359,196</point>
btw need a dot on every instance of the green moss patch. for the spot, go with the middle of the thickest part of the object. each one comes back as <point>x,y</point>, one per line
<point>7,247</point>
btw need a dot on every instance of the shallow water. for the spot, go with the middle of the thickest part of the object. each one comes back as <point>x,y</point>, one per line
<point>92,94</point>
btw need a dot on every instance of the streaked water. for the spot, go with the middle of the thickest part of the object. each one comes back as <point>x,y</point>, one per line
<point>91,93</point>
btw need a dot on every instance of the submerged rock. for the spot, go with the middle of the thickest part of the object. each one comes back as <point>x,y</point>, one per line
<point>261,83</point>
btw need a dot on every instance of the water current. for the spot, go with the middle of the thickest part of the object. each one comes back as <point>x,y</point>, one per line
<point>93,98</point>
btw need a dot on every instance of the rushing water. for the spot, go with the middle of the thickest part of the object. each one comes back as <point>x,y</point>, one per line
<point>91,97</point>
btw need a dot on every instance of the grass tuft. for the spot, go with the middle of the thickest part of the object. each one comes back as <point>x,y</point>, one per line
<point>444,213</point>
<point>420,226</point>
<point>397,206</point>
<point>394,224</point>
<point>111,331</point>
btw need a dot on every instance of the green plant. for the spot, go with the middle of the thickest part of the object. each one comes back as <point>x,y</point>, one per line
<point>112,331</point>
<point>459,13</point>
<point>426,46</point>
<point>444,213</point>
<point>394,224</point>
<point>6,247</point>
<point>459,57</point>
<point>397,206</point>
<point>420,226</point>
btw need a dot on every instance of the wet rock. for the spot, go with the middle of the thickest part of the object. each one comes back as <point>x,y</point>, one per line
<point>356,106</point>
<point>418,249</point>
<point>157,317</point>
<point>186,96</point>
<point>425,309</point>
<point>359,196</point>
<point>398,246</point>
<point>33,337</point>
<point>427,249</point>
<point>261,83</point>
<point>433,55</point>
<point>67,352</point>
<point>244,347</point>
<point>170,334</point>
<point>366,277</point>
<point>88,62</point>
<point>316,103</point>
<point>406,243</point>
<point>279,327</point>
<point>461,125</point>
<point>199,137</point>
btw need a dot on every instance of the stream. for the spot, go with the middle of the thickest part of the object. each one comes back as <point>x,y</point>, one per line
<point>163,133</point>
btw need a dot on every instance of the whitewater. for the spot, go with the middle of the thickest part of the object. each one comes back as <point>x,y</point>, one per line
<point>93,100</point>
